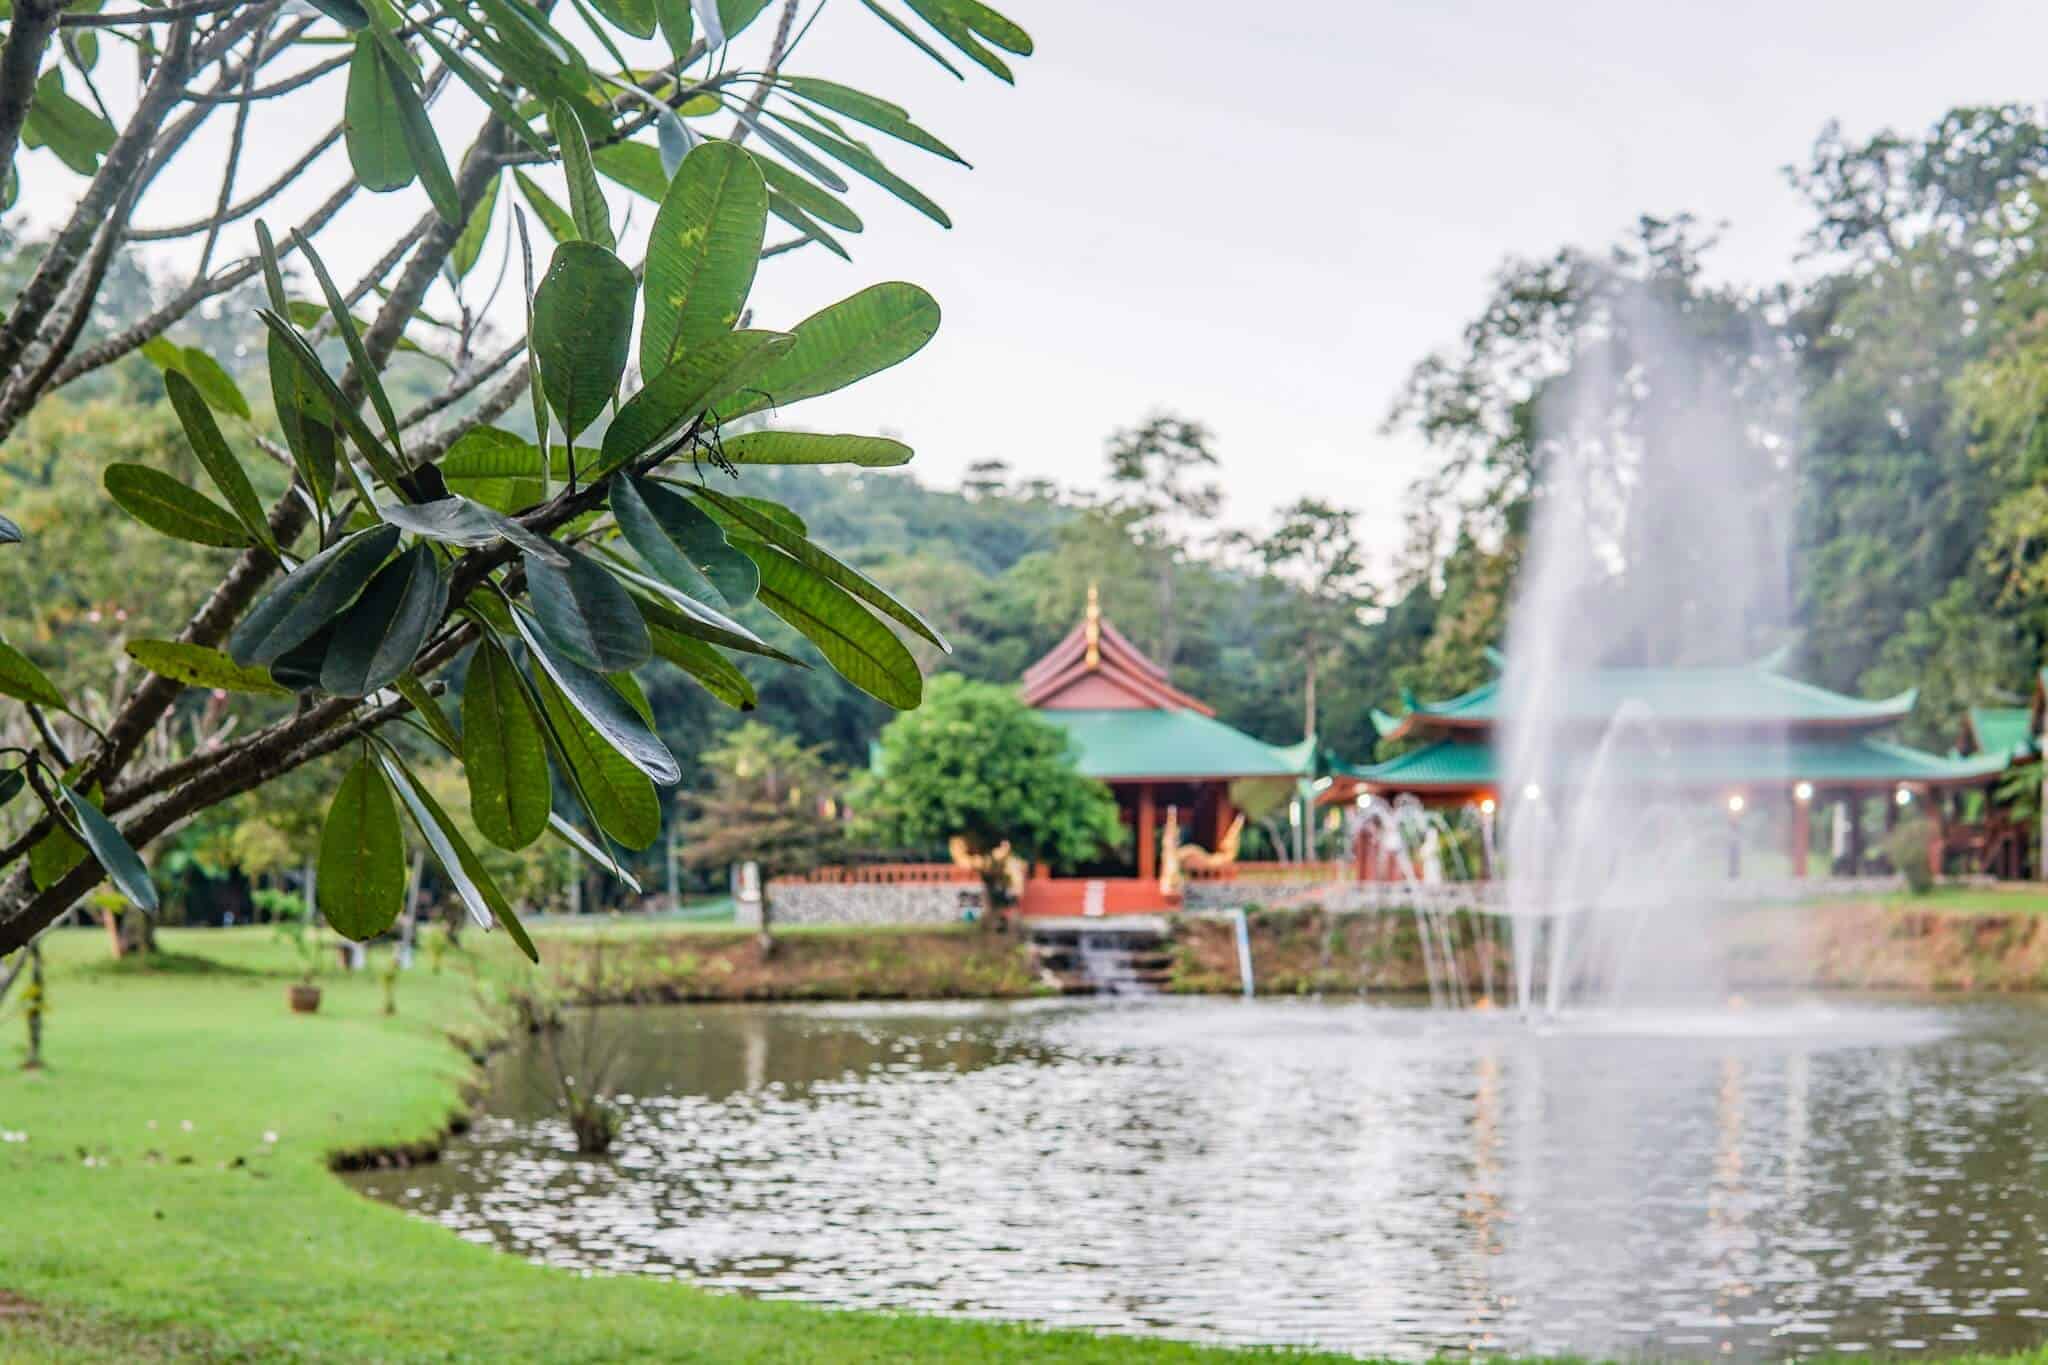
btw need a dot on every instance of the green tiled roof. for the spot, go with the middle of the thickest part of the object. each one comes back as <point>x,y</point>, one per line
<point>2002,730</point>
<point>1859,759</point>
<point>1170,744</point>
<point>1732,695</point>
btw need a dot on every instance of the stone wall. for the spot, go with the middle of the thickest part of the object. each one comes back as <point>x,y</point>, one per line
<point>1352,896</point>
<point>795,902</point>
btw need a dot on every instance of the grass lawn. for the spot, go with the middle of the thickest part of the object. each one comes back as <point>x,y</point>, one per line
<point>167,1196</point>
<point>2009,898</point>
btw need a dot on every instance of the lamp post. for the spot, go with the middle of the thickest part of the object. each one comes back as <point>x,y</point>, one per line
<point>1735,807</point>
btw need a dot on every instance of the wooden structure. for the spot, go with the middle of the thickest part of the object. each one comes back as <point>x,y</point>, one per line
<point>1731,736</point>
<point>1156,747</point>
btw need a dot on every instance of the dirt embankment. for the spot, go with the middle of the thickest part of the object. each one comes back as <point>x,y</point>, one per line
<point>880,965</point>
<point>1881,946</point>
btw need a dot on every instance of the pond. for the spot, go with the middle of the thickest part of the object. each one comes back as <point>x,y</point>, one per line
<point>1759,1182</point>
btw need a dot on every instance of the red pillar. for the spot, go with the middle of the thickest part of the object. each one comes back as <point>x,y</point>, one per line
<point>1148,856</point>
<point>1802,834</point>
<point>1224,815</point>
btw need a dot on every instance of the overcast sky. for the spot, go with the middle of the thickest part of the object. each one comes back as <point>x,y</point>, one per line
<point>1262,215</point>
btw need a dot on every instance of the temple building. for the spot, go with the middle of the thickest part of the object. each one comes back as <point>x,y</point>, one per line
<point>1158,749</point>
<point>1738,736</point>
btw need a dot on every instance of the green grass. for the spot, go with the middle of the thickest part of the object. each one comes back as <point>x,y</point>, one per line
<point>2007,899</point>
<point>167,1195</point>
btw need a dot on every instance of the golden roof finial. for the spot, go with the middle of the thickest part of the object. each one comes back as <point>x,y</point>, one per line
<point>1094,627</point>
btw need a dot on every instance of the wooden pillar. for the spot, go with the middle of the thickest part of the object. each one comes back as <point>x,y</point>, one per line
<point>1224,815</point>
<point>1148,856</point>
<point>1855,806</point>
<point>1802,834</point>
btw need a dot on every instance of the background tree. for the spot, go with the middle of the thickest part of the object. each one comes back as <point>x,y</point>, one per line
<point>1316,547</point>
<point>1163,494</point>
<point>974,762</point>
<point>772,801</point>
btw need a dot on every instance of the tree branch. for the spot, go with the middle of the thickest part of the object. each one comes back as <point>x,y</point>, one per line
<point>28,34</point>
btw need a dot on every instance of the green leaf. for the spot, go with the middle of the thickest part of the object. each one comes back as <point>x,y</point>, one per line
<point>712,670</point>
<point>497,468</point>
<point>78,136</point>
<point>461,521</point>
<point>377,148</point>
<point>347,13</point>
<point>677,27</point>
<point>298,668</point>
<point>429,711</point>
<point>166,505</point>
<point>198,666</point>
<point>588,616</point>
<point>22,680</point>
<point>469,247</point>
<point>361,886</point>
<point>57,852</point>
<point>212,449</point>
<point>621,798</point>
<point>963,23</point>
<point>809,447</point>
<point>11,783</point>
<point>485,89</point>
<point>878,114</point>
<point>357,354</point>
<point>204,373</point>
<point>310,597</point>
<point>576,839</point>
<point>552,215</point>
<point>321,386</point>
<point>635,165</point>
<point>735,15</point>
<point>421,144</point>
<point>803,223</point>
<point>821,204</point>
<point>377,638</point>
<point>10,534</point>
<point>634,16</point>
<point>511,793</point>
<point>465,871</point>
<point>803,551</point>
<point>598,702</point>
<point>702,253</point>
<point>856,157</point>
<point>112,851</point>
<point>881,326</point>
<point>586,201</point>
<point>663,608</point>
<point>582,331</point>
<point>857,645</point>
<point>705,377</point>
<point>681,545</point>
<point>911,35</point>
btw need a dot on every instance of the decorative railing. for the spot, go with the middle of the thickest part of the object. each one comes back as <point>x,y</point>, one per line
<point>882,874</point>
<point>1272,872</point>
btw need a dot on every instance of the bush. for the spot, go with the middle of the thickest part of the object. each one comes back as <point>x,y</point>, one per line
<point>1907,847</point>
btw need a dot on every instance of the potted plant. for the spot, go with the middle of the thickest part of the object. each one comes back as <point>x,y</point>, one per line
<point>292,926</point>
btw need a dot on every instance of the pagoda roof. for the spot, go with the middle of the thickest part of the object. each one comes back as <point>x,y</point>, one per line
<point>1125,744</point>
<point>2007,731</point>
<point>1746,695</point>
<point>1096,667</point>
<point>1468,765</point>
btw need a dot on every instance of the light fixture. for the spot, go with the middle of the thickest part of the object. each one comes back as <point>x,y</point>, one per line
<point>1803,793</point>
<point>1486,805</point>
<point>1902,797</point>
<point>1532,792</point>
<point>1364,799</point>
<point>1736,803</point>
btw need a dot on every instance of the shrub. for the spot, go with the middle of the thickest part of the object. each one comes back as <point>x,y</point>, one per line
<point>1907,847</point>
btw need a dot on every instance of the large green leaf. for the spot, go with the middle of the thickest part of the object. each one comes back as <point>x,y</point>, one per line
<point>202,371</point>
<point>708,375</point>
<point>198,666</point>
<point>377,638</point>
<point>377,147</point>
<point>587,613</point>
<point>310,597</point>
<point>964,23</point>
<point>462,521</point>
<point>57,852</point>
<point>634,16</point>
<point>111,850</point>
<point>469,247</point>
<point>497,468</point>
<point>810,447</point>
<point>504,753</point>
<point>702,253</point>
<point>586,201</point>
<point>78,136</point>
<point>856,157</point>
<point>582,331</point>
<point>738,512</point>
<point>212,449</point>
<point>681,545</point>
<point>417,130</point>
<point>881,326</point>
<point>878,114</point>
<point>465,871</point>
<point>662,607</point>
<point>166,505</point>
<point>857,645</point>
<point>361,886</point>
<point>716,673</point>
<point>598,702</point>
<point>635,165</point>
<point>359,357</point>
<point>298,668</point>
<point>553,217</point>
<point>621,798</point>
<point>22,680</point>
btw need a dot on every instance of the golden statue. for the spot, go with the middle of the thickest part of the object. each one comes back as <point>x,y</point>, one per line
<point>1014,870</point>
<point>1195,858</point>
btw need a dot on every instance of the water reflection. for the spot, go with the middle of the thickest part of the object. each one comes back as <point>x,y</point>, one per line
<point>1376,1179</point>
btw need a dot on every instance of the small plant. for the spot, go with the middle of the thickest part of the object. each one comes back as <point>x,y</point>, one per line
<point>388,979</point>
<point>1909,849</point>
<point>292,928</point>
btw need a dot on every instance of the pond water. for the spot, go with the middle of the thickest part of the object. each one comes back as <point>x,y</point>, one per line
<point>1761,1182</point>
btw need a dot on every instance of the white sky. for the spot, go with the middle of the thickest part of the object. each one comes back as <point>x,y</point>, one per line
<point>1262,216</point>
